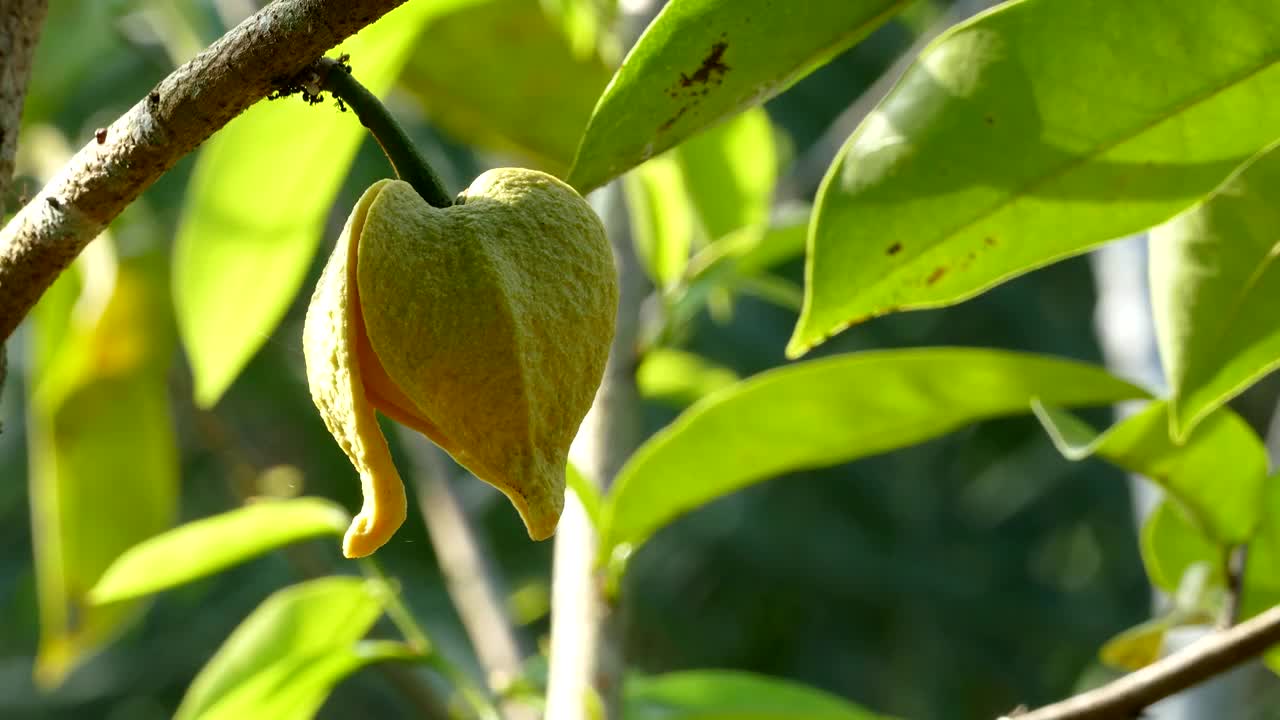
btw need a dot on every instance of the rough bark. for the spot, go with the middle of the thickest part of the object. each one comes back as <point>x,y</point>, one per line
<point>176,116</point>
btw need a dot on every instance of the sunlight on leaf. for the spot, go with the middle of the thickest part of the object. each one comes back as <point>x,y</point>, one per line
<point>661,219</point>
<point>1223,498</point>
<point>1214,282</point>
<point>830,411</point>
<point>203,547</point>
<point>729,172</point>
<point>1032,133</point>
<point>284,659</point>
<point>680,378</point>
<point>701,61</point>
<point>104,466</point>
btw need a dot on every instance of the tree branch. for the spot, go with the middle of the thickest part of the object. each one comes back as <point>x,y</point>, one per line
<point>1126,697</point>
<point>180,113</point>
<point>20,23</point>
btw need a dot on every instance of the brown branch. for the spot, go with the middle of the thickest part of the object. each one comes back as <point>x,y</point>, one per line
<point>180,113</point>
<point>1126,697</point>
<point>20,23</point>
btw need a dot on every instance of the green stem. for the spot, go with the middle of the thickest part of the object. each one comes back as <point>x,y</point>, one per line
<point>481,706</point>
<point>405,159</point>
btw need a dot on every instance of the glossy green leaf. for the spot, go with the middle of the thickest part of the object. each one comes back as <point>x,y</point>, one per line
<point>829,411</point>
<point>203,547</point>
<point>1217,475</point>
<point>284,659</point>
<point>661,219</point>
<point>680,378</point>
<point>731,695</point>
<point>701,61</point>
<point>1171,544</point>
<point>103,460</point>
<point>729,172</point>
<point>256,206</point>
<point>1214,282</point>
<point>500,75</point>
<point>1032,133</point>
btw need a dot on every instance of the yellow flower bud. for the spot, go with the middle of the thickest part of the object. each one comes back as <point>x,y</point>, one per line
<point>485,326</point>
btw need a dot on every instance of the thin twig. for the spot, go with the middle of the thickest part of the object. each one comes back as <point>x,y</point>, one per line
<point>1126,697</point>
<point>409,164</point>
<point>1234,566</point>
<point>180,113</point>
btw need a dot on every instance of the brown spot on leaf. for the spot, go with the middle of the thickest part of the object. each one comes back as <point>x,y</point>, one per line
<point>936,275</point>
<point>989,240</point>
<point>989,119</point>
<point>894,249</point>
<point>672,120</point>
<point>712,67</point>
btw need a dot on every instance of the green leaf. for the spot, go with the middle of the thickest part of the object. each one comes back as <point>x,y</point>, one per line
<point>829,411</point>
<point>103,459</point>
<point>203,547</point>
<point>285,658</point>
<point>1214,281</point>
<point>1217,475</point>
<point>730,171</point>
<point>740,261</point>
<point>701,61</point>
<point>587,493</point>
<point>753,250</point>
<point>680,378</point>
<point>731,695</point>
<point>1030,134</point>
<point>1171,545</point>
<point>499,75</point>
<point>661,219</point>
<point>256,207</point>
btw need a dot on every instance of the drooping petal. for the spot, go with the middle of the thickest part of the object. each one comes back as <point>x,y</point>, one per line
<point>332,340</point>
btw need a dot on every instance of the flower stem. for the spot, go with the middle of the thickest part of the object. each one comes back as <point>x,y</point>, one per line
<point>334,76</point>
<point>480,705</point>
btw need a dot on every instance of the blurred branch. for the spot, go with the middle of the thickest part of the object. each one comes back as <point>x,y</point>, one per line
<point>1233,566</point>
<point>1128,696</point>
<point>181,112</point>
<point>586,642</point>
<point>472,583</point>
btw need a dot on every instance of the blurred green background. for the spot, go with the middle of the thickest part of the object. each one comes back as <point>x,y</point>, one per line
<point>955,579</point>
